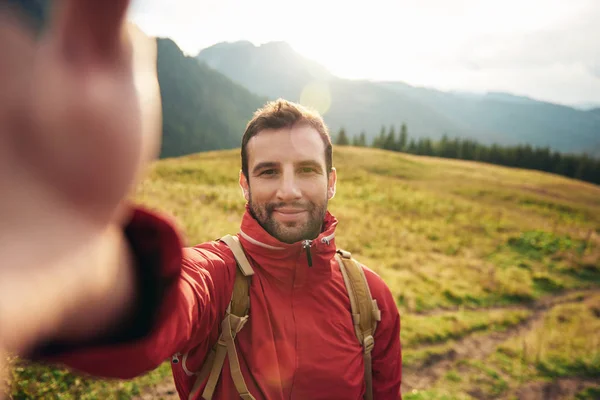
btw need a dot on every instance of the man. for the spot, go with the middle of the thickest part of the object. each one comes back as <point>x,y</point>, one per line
<point>299,340</point>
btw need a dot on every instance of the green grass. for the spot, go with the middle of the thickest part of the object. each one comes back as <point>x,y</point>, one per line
<point>444,234</point>
<point>591,393</point>
<point>437,394</point>
<point>566,344</point>
<point>47,382</point>
<point>424,329</point>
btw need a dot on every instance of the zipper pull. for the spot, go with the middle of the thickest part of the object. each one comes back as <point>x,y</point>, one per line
<point>306,246</point>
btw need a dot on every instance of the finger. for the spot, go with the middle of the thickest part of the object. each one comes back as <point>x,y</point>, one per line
<point>90,28</point>
<point>16,49</point>
<point>16,55</point>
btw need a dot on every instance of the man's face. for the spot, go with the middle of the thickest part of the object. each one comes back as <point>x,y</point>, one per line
<point>288,186</point>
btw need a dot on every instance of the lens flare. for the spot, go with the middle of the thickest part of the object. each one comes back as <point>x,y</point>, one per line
<point>316,95</point>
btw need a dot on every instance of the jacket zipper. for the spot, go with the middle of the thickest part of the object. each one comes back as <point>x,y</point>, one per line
<point>306,246</point>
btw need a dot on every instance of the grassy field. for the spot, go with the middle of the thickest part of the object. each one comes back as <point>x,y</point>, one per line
<point>496,271</point>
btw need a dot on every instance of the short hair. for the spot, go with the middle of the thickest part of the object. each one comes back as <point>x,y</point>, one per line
<point>285,114</point>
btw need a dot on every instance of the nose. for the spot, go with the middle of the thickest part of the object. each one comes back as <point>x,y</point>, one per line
<point>288,189</point>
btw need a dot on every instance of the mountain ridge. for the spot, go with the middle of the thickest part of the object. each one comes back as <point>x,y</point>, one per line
<point>275,70</point>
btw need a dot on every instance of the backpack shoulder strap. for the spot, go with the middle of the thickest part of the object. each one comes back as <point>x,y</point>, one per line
<point>240,298</point>
<point>235,319</point>
<point>365,313</point>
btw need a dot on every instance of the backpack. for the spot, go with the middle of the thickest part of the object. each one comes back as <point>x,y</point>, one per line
<point>365,315</point>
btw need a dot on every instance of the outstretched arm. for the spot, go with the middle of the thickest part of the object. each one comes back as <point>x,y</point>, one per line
<point>79,121</point>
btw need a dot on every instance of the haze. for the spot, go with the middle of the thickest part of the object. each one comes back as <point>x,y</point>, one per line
<point>545,49</point>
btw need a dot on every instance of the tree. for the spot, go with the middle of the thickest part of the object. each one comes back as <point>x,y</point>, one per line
<point>403,140</point>
<point>362,139</point>
<point>379,141</point>
<point>412,147</point>
<point>390,139</point>
<point>342,138</point>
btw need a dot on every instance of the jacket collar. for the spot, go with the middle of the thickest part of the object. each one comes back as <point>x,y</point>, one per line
<point>282,260</point>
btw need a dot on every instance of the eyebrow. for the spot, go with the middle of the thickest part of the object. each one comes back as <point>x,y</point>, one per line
<point>273,164</point>
<point>310,163</point>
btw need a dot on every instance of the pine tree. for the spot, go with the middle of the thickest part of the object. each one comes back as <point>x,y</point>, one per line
<point>412,147</point>
<point>390,139</point>
<point>342,138</point>
<point>379,141</point>
<point>403,140</point>
<point>362,139</point>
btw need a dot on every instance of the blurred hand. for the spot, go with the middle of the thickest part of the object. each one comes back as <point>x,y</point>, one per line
<point>79,120</point>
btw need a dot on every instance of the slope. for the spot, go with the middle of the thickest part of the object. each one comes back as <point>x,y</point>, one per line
<point>476,255</point>
<point>202,109</point>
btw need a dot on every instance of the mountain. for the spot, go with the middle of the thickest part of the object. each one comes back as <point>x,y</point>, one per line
<point>507,119</point>
<point>586,106</point>
<point>202,108</point>
<point>249,65</point>
<point>276,70</point>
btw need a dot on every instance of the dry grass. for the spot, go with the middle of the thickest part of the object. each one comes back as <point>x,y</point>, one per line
<point>444,234</point>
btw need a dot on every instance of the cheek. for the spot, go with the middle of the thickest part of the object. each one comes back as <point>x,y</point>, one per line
<point>262,191</point>
<point>315,190</point>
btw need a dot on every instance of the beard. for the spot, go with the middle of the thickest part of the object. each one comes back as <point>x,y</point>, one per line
<point>293,231</point>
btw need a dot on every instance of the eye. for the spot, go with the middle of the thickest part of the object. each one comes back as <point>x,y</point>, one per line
<point>268,172</point>
<point>307,170</point>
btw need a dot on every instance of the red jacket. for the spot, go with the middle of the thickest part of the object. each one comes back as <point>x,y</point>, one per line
<point>299,342</point>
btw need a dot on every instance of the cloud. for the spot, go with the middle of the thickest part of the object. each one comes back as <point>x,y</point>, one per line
<point>595,70</point>
<point>547,49</point>
<point>570,44</point>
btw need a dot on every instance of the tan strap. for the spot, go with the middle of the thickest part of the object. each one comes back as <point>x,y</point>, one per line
<point>235,319</point>
<point>234,362</point>
<point>230,326</point>
<point>215,372</point>
<point>368,375</point>
<point>240,298</point>
<point>204,372</point>
<point>233,242</point>
<point>365,312</point>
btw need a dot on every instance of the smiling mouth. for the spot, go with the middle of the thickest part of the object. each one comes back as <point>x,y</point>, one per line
<point>289,211</point>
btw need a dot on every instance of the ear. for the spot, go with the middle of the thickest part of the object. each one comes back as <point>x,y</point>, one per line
<point>332,180</point>
<point>244,186</point>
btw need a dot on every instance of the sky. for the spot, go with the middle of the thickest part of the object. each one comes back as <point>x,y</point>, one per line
<point>544,49</point>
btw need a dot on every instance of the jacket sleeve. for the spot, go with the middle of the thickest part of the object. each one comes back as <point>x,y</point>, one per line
<point>181,294</point>
<point>387,353</point>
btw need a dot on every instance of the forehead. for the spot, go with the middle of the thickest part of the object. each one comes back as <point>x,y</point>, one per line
<point>298,143</point>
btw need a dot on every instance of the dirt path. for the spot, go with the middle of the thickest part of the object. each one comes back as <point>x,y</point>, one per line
<point>559,389</point>
<point>475,347</point>
<point>569,296</point>
<point>479,346</point>
<point>163,391</point>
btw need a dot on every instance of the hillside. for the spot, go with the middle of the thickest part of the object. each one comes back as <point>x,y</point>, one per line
<point>508,119</point>
<point>202,109</point>
<point>496,271</point>
<point>275,70</point>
